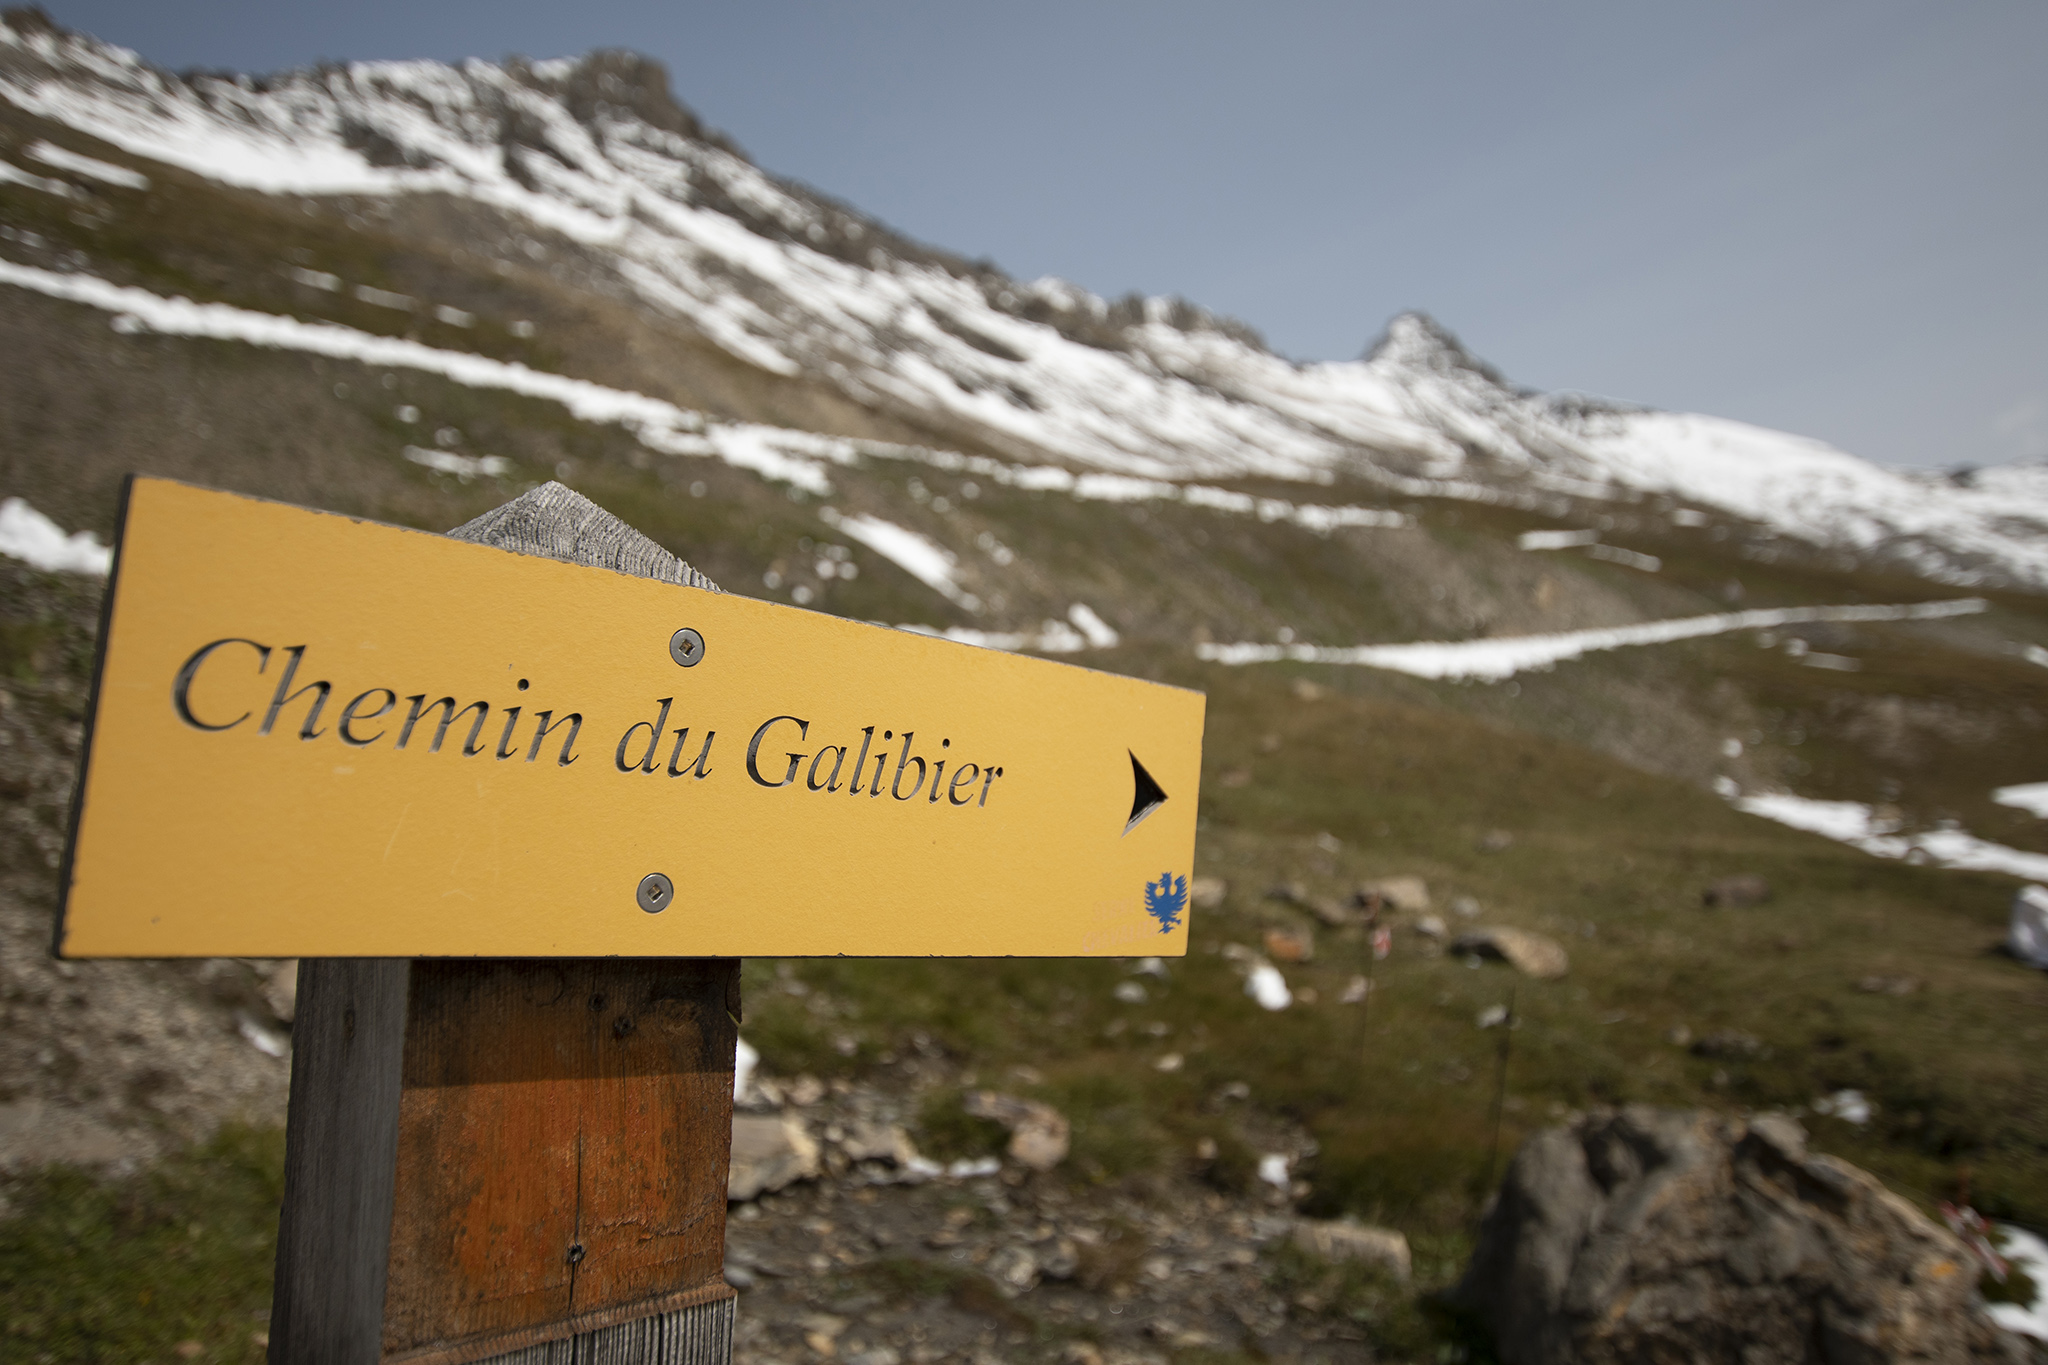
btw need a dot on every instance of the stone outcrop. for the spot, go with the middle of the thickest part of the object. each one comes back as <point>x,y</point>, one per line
<point>1642,1235</point>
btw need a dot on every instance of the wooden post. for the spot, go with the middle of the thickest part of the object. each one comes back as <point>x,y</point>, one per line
<point>512,1161</point>
<point>341,1134</point>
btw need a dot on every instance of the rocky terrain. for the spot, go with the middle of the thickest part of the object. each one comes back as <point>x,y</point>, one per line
<point>1645,1235</point>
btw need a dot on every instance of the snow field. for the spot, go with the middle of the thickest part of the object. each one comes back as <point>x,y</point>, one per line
<point>1495,660</point>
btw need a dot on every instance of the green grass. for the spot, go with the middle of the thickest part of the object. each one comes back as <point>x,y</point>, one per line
<point>1399,1322</point>
<point>1606,859</point>
<point>98,1270</point>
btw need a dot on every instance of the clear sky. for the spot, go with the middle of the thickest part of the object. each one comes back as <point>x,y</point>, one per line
<point>1830,218</point>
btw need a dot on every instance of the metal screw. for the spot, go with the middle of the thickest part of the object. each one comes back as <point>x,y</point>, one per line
<point>686,647</point>
<point>575,1253</point>
<point>654,893</point>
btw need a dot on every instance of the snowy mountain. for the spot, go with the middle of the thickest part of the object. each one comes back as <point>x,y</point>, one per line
<point>591,167</point>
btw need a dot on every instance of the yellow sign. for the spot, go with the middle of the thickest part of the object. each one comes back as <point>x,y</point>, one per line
<point>320,737</point>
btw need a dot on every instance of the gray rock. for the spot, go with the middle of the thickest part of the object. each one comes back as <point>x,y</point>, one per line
<point>1643,1236</point>
<point>877,1142</point>
<point>768,1152</point>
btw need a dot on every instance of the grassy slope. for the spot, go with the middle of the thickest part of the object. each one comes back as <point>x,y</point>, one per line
<point>1608,860</point>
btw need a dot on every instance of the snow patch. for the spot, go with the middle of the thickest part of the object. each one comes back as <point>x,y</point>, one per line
<point>2026,1251</point>
<point>463,467</point>
<point>1858,825</point>
<point>31,537</point>
<point>1264,984</point>
<point>2031,797</point>
<point>1850,1106</point>
<point>52,155</point>
<point>1092,627</point>
<point>929,563</point>
<point>1052,637</point>
<point>1555,540</point>
<point>14,175</point>
<point>1633,559</point>
<point>1493,660</point>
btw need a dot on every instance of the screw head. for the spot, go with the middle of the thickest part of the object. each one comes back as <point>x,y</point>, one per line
<point>686,647</point>
<point>654,893</point>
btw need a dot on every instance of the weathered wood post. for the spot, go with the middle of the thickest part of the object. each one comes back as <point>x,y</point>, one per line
<point>512,1083</point>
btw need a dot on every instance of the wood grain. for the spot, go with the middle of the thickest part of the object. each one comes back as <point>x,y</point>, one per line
<point>563,1137</point>
<point>559,523</point>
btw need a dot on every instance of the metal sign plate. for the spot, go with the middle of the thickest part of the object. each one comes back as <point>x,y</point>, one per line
<point>321,737</point>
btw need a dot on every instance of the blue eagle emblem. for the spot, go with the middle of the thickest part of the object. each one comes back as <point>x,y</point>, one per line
<point>1165,899</point>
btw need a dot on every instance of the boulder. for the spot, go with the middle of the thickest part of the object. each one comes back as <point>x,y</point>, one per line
<point>1530,954</point>
<point>2027,936</point>
<point>1640,1236</point>
<point>769,1151</point>
<point>1734,893</point>
<point>1348,1241</point>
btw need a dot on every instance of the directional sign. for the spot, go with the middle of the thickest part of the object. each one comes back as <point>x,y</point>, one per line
<point>314,736</point>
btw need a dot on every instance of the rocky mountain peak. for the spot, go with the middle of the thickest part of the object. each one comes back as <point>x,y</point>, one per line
<point>1416,341</point>
<point>613,81</point>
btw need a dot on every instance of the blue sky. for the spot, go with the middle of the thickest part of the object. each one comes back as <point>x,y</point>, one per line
<point>1827,218</point>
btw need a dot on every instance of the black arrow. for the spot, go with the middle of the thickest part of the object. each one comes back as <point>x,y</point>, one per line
<point>1146,796</point>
